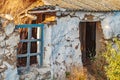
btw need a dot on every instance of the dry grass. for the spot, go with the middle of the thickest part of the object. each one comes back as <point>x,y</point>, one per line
<point>94,71</point>
<point>76,73</point>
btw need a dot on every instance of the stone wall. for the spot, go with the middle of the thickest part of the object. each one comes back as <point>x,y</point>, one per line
<point>47,45</point>
<point>8,46</point>
<point>110,21</point>
<point>61,44</point>
<point>65,37</point>
<point>111,25</point>
<point>65,46</point>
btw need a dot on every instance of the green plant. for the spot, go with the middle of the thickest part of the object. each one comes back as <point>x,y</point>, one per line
<point>67,74</point>
<point>112,56</point>
<point>91,54</point>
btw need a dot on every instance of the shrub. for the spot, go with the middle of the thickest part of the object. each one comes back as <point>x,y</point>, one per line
<point>112,56</point>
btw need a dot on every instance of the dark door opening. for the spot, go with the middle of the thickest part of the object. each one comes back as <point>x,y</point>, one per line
<point>87,31</point>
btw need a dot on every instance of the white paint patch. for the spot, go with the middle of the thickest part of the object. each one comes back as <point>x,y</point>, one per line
<point>112,21</point>
<point>65,37</point>
<point>47,45</point>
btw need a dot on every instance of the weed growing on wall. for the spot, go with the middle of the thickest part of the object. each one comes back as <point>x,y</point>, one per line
<point>112,56</point>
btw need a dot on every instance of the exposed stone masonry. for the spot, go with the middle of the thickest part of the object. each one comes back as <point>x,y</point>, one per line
<point>8,50</point>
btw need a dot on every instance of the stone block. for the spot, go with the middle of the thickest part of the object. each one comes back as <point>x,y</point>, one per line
<point>2,36</point>
<point>9,28</point>
<point>5,51</point>
<point>2,68</point>
<point>1,51</point>
<point>2,44</point>
<point>13,40</point>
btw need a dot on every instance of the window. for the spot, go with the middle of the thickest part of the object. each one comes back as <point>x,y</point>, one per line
<point>31,47</point>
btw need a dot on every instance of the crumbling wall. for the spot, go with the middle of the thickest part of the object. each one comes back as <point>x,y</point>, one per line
<point>65,41</point>
<point>65,37</point>
<point>8,46</point>
<point>61,43</point>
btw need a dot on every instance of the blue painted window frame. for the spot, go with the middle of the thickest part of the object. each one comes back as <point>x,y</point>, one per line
<point>29,40</point>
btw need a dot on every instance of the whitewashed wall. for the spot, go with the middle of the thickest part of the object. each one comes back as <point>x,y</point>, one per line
<point>110,22</point>
<point>65,38</point>
<point>47,45</point>
<point>65,46</point>
<point>111,25</point>
<point>62,44</point>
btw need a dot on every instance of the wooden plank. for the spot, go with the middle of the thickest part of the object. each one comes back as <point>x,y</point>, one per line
<point>83,40</point>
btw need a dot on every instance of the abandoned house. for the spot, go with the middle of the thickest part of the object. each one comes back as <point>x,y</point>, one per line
<point>50,37</point>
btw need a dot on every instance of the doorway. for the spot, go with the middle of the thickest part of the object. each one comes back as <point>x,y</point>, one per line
<point>92,47</point>
<point>87,32</point>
